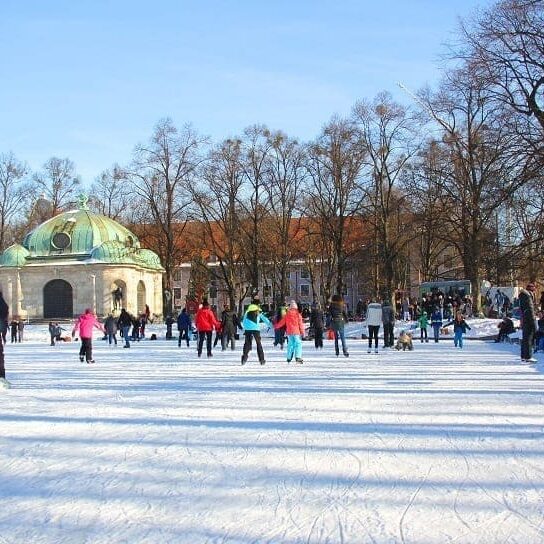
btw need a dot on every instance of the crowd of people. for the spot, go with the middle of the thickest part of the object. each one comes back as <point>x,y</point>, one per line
<point>435,310</point>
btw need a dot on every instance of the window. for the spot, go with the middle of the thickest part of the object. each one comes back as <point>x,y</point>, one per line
<point>177,275</point>
<point>305,290</point>
<point>304,273</point>
<point>267,291</point>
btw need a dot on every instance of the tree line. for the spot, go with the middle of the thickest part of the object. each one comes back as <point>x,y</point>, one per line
<point>453,177</point>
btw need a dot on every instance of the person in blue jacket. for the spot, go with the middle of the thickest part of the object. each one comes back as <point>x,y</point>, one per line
<point>436,323</point>
<point>460,327</point>
<point>252,329</point>
<point>184,327</point>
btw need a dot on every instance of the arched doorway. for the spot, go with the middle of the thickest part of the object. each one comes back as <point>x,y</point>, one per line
<point>58,300</point>
<point>118,295</point>
<point>140,297</point>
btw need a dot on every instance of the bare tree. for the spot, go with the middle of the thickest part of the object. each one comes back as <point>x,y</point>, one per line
<point>58,183</point>
<point>110,194</point>
<point>505,47</point>
<point>334,195</point>
<point>253,199</point>
<point>162,173</point>
<point>424,182</point>
<point>13,195</point>
<point>389,138</point>
<point>487,167</point>
<point>217,198</point>
<point>287,172</point>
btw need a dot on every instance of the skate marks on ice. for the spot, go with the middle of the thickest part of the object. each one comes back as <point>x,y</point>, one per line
<point>427,446</point>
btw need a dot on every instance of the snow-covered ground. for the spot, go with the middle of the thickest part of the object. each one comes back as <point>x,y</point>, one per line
<point>154,445</point>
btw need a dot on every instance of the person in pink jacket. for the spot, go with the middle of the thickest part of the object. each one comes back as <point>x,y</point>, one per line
<point>294,328</point>
<point>85,324</point>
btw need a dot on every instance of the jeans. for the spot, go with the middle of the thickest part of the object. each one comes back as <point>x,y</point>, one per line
<point>340,334</point>
<point>112,336</point>
<point>458,339</point>
<point>125,329</point>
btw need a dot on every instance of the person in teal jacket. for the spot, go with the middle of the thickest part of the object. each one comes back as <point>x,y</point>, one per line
<point>423,324</point>
<point>252,329</point>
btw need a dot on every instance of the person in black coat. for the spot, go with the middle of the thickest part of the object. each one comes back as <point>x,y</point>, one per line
<point>388,320</point>
<point>317,325</point>
<point>229,325</point>
<point>4,310</point>
<point>528,322</point>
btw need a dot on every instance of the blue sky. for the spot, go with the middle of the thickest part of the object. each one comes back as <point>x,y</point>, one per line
<point>89,79</point>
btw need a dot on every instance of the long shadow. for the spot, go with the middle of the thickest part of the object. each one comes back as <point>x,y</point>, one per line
<point>528,431</point>
<point>419,451</point>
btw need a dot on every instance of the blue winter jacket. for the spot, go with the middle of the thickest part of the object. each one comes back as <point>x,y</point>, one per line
<point>184,321</point>
<point>253,318</point>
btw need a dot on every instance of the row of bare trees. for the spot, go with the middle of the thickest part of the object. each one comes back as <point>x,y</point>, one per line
<point>388,188</point>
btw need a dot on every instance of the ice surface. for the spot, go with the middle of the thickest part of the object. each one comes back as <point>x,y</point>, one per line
<point>152,444</point>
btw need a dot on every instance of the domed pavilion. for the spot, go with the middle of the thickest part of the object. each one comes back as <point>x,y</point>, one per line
<point>77,260</point>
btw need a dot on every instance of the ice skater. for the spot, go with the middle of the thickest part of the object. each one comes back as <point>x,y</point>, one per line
<point>460,327</point>
<point>85,324</point>
<point>294,328</point>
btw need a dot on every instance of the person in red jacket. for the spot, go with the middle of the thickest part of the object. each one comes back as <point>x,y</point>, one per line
<point>85,324</point>
<point>205,322</point>
<point>294,328</point>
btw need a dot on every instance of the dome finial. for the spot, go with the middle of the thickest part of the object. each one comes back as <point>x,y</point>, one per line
<point>83,199</point>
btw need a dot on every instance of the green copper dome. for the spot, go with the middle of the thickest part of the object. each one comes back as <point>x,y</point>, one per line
<point>76,233</point>
<point>116,252</point>
<point>14,256</point>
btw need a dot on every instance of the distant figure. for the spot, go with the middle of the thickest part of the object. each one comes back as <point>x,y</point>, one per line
<point>14,326</point>
<point>294,327</point>
<point>85,324</point>
<point>117,298</point>
<point>20,329</point>
<point>205,322</point>
<point>184,327</point>
<point>230,324</point>
<point>111,329</point>
<point>373,321</point>
<point>460,327</point>
<point>169,321</point>
<point>4,310</point>
<point>404,342</point>
<point>339,317</point>
<point>252,330</point>
<point>506,327</point>
<point>124,323</point>
<point>528,322</point>
<point>317,325</point>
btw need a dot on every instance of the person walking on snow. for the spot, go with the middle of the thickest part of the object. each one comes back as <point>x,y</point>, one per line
<point>528,322</point>
<point>460,327</point>
<point>294,328</point>
<point>85,324</point>
<point>252,330</point>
